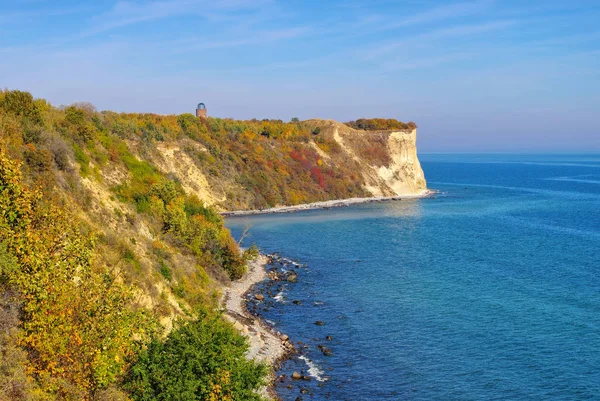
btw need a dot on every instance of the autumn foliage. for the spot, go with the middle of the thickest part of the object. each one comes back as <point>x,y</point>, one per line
<point>77,327</point>
<point>98,243</point>
<point>380,124</point>
<point>71,287</point>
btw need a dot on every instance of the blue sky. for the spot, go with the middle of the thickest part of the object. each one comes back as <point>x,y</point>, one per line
<point>474,75</point>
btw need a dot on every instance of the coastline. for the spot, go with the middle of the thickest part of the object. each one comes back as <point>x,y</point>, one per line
<point>328,204</point>
<point>266,344</point>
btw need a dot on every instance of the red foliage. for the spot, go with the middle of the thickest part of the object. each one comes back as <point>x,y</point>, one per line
<point>317,175</point>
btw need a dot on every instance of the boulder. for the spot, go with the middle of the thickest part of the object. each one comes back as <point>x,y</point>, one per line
<point>259,297</point>
<point>296,376</point>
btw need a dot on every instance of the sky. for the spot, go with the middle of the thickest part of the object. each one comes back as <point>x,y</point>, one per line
<point>476,76</point>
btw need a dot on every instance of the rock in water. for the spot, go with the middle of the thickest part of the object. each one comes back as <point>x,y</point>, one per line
<point>296,376</point>
<point>259,297</point>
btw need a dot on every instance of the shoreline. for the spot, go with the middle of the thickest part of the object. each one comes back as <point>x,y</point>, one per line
<point>266,344</point>
<point>328,204</point>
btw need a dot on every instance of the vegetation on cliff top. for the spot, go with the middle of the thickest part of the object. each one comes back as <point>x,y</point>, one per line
<point>380,124</point>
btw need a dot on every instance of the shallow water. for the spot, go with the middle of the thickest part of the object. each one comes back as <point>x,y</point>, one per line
<point>490,290</point>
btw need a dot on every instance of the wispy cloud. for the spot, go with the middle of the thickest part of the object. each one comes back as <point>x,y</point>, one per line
<point>126,13</point>
<point>252,38</point>
<point>443,33</point>
<point>21,16</point>
<point>437,14</point>
<point>420,63</point>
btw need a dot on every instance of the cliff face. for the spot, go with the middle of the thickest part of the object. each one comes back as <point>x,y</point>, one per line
<point>339,161</point>
<point>387,160</point>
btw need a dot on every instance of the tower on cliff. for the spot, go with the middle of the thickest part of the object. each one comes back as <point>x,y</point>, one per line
<point>201,110</point>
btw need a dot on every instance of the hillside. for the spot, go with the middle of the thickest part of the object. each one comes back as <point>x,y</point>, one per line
<point>240,165</point>
<point>110,236</point>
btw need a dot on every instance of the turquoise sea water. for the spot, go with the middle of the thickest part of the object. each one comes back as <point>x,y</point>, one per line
<point>488,291</point>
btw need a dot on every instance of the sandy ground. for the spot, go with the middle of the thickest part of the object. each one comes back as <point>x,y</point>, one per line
<point>328,204</point>
<point>266,345</point>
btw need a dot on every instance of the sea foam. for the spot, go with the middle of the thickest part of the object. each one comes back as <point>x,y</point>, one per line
<point>313,370</point>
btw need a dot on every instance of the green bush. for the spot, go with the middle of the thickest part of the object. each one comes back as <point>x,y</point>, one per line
<point>200,360</point>
<point>165,271</point>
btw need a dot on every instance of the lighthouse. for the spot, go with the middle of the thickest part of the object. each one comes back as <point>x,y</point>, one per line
<point>201,110</point>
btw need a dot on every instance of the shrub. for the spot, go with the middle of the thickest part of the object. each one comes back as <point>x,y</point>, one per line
<point>60,152</point>
<point>199,360</point>
<point>165,271</point>
<point>21,104</point>
<point>375,124</point>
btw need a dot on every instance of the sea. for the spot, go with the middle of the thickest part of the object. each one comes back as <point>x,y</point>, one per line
<point>488,290</point>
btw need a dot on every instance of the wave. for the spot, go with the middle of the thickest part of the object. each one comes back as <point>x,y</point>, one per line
<point>279,296</point>
<point>313,370</point>
<point>569,179</point>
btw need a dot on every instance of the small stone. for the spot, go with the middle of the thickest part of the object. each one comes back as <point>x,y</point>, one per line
<point>329,338</point>
<point>296,376</point>
<point>304,391</point>
<point>259,297</point>
<point>284,337</point>
<point>306,378</point>
<point>298,398</point>
<point>320,323</point>
<point>292,278</point>
<point>296,302</point>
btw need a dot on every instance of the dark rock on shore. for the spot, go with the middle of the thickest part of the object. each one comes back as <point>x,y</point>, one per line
<point>326,350</point>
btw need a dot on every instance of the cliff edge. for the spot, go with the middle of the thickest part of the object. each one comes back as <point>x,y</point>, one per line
<point>387,160</point>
